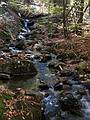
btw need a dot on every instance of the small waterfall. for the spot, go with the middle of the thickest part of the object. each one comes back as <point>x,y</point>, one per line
<point>51,106</point>
<point>25,30</point>
<point>23,34</point>
<point>85,103</point>
<point>86,106</point>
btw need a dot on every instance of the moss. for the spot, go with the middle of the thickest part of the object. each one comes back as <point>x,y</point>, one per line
<point>6,96</point>
<point>2,109</point>
<point>18,68</point>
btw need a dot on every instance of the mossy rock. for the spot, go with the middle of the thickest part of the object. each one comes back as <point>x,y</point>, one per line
<point>17,69</point>
<point>82,66</point>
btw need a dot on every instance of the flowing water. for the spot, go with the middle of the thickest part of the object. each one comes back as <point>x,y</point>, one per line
<point>86,106</point>
<point>50,102</point>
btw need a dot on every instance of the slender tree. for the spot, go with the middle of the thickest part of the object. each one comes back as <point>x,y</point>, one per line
<point>81,11</point>
<point>64,18</point>
<point>89,6</point>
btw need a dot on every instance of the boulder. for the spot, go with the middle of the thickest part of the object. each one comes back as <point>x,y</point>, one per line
<point>82,66</point>
<point>13,69</point>
<point>58,86</point>
<point>4,76</point>
<point>86,83</point>
<point>71,104</point>
<point>66,55</point>
<point>52,64</point>
<point>43,86</point>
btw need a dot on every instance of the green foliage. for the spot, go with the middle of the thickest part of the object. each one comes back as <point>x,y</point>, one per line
<point>6,96</point>
<point>55,9</point>
<point>2,109</point>
<point>20,7</point>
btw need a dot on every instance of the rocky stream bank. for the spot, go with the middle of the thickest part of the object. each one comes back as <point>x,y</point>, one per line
<point>43,76</point>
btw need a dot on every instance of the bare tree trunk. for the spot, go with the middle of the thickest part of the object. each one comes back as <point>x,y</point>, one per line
<point>89,6</point>
<point>64,18</point>
<point>59,2</point>
<point>81,11</point>
<point>27,2</point>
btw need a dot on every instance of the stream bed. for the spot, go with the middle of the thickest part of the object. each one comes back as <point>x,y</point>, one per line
<point>54,105</point>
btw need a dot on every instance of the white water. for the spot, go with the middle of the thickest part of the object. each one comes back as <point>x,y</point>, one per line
<point>86,106</point>
<point>51,107</point>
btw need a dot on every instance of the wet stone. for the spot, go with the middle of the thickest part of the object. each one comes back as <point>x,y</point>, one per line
<point>68,55</point>
<point>43,86</point>
<point>58,86</point>
<point>71,104</point>
<point>4,76</point>
<point>79,89</point>
<point>66,73</point>
<point>45,57</point>
<point>62,56</point>
<point>17,69</point>
<point>52,64</point>
<point>86,84</point>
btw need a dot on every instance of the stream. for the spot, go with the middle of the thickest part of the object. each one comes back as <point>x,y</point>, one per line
<point>50,102</point>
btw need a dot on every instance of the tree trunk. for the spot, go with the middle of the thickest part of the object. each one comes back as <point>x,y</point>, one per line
<point>81,11</point>
<point>64,18</point>
<point>89,6</point>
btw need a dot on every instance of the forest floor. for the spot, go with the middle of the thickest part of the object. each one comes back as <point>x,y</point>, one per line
<point>72,60</point>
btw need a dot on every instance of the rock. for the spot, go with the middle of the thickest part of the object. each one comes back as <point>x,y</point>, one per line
<point>71,104</point>
<point>87,70</point>
<point>84,56</point>
<point>73,61</point>
<point>45,57</point>
<point>4,76</point>
<point>9,20</point>
<point>5,49</point>
<point>66,55</point>
<point>20,44</point>
<point>33,57</point>
<point>71,55</point>
<point>66,87</point>
<point>86,83</point>
<point>58,86</point>
<point>34,93</point>
<point>38,46</point>
<point>52,64</point>
<point>66,73</point>
<point>43,86</point>
<point>82,66</point>
<point>56,65</point>
<point>73,82</point>
<point>37,57</point>
<point>79,89</point>
<point>18,68</point>
<point>62,56</point>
